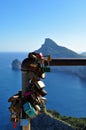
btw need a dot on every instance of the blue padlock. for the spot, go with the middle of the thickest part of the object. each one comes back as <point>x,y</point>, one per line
<point>24,122</point>
<point>29,110</point>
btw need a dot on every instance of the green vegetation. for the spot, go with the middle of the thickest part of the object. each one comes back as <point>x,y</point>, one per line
<point>77,123</point>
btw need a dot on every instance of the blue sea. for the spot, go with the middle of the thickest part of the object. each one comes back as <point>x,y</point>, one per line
<point>66,92</point>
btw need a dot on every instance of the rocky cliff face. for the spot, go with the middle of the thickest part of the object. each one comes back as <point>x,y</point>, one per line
<point>46,122</point>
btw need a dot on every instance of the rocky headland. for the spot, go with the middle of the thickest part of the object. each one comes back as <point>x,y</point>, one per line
<point>55,51</point>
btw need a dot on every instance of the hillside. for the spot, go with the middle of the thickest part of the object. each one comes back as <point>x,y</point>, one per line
<point>51,48</point>
<point>46,122</point>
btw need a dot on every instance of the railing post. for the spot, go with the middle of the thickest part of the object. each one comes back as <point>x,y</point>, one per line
<point>24,85</point>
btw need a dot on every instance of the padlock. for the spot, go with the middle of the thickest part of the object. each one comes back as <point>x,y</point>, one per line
<point>43,75</point>
<point>37,108</point>
<point>30,98</point>
<point>38,87</point>
<point>40,73</point>
<point>43,99</point>
<point>16,96</point>
<point>24,122</point>
<point>46,69</point>
<point>39,84</point>
<point>23,116</point>
<point>14,116</point>
<point>28,93</point>
<point>41,92</point>
<point>41,104</point>
<point>14,124</point>
<point>15,107</point>
<point>15,104</point>
<point>43,107</point>
<point>29,110</point>
<point>10,99</point>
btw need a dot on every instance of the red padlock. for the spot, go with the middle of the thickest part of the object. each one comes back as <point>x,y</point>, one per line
<point>14,124</point>
<point>27,93</point>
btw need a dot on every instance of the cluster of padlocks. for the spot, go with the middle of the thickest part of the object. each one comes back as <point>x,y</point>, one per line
<point>31,102</point>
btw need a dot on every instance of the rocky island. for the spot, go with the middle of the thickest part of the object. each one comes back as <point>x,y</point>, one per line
<point>16,64</point>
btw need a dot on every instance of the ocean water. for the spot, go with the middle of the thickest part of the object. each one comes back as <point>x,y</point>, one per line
<point>66,92</point>
<point>10,84</point>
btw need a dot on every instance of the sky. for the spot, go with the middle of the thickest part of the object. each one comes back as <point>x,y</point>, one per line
<point>24,24</point>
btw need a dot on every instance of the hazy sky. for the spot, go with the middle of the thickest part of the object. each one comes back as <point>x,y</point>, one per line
<point>24,24</point>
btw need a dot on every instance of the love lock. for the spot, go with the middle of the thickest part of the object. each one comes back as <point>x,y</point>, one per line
<point>24,122</point>
<point>39,84</point>
<point>37,108</point>
<point>28,93</point>
<point>14,116</point>
<point>29,110</point>
<point>42,92</point>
